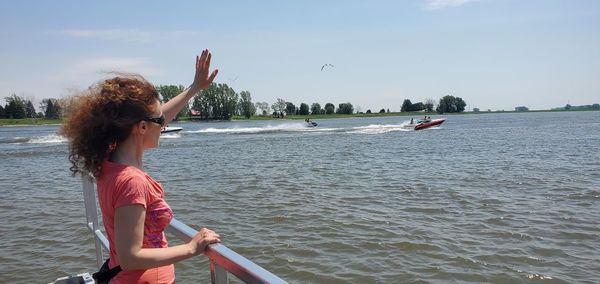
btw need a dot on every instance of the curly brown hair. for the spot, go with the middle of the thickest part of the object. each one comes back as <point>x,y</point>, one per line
<point>104,116</point>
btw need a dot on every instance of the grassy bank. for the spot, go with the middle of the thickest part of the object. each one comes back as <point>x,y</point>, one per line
<point>28,121</point>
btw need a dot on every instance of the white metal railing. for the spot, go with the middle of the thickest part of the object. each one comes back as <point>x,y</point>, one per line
<point>222,259</point>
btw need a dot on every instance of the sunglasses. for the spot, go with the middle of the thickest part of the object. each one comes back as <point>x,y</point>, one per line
<point>158,120</point>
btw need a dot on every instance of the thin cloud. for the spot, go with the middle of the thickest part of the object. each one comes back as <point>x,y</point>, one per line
<point>129,35</point>
<point>440,4</point>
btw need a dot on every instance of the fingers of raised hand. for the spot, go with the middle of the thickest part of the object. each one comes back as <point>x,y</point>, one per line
<point>203,55</point>
<point>207,63</point>
<point>201,62</point>
<point>213,75</point>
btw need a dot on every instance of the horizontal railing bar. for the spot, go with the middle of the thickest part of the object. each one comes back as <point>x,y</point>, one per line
<point>234,263</point>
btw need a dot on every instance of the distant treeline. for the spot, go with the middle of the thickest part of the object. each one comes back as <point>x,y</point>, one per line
<point>446,104</point>
<point>581,107</point>
<point>18,107</point>
<point>566,107</point>
<point>221,102</point>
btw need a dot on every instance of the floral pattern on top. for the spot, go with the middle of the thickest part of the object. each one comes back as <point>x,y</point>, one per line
<point>158,217</point>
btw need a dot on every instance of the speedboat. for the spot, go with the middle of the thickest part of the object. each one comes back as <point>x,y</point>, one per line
<point>311,124</point>
<point>420,124</point>
<point>169,129</point>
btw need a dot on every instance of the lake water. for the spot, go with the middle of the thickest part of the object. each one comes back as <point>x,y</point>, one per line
<point>504,198</point>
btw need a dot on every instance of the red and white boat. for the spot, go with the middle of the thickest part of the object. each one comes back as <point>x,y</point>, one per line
<point>420,124</point>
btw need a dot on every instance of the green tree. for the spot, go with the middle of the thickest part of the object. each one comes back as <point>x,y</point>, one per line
<point>168,92</point>
<point>451,104</point>
<point>329,108</point>
<point>1,111</point>
<point>43,106</point>
<point>218,101</point>
<point>315,108</point>
<point>227,100</point>
<point>15,107</point>
<point>382,110</point>
<point>64,105</point>
<point>247,108</point>
<point>429,104</point>
<point>596,106</point>
<point>303,110</point>
<point>206,102</point>
<point>263,107</point>
<point>345,108</point>
<point>290,108</point>
<point>51,108</point>
<point>368,111</point>
<point>406,106</point>
<point>29,110</point>
<point>279,107</point>
<point>417,106</point>
<point>460,104</point>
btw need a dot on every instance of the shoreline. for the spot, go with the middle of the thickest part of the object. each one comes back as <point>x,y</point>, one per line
<point>11,122</point>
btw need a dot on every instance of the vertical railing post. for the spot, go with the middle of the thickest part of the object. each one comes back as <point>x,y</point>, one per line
<point>218,274</point>
<point>91,213</point>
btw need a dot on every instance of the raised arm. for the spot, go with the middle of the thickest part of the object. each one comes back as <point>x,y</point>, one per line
<point>202,80</point>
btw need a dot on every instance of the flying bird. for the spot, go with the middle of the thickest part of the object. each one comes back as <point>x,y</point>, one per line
<point>325,65</point>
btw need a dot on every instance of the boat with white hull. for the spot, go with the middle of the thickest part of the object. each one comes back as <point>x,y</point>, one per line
<point>171,130</point>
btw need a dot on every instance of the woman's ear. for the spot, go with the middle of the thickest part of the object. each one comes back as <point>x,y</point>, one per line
<point>141,127</point>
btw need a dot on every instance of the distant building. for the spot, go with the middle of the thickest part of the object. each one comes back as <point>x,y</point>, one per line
<point>521,108</point>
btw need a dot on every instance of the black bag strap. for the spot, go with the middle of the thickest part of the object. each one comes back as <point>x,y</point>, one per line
<point>105,274</point>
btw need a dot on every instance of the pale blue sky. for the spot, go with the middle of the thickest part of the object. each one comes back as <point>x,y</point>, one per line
<point>495,54</point>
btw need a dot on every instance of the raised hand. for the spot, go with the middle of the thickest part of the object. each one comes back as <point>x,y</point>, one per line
<point>201,79</point>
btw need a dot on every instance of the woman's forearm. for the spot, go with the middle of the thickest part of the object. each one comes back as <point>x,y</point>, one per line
<point>173,106</point>
<point>155,257</point>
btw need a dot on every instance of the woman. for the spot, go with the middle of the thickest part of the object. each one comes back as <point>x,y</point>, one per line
<point>109,129</point>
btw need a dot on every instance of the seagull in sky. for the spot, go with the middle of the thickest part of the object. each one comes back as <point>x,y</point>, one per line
<point>325,65</point>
